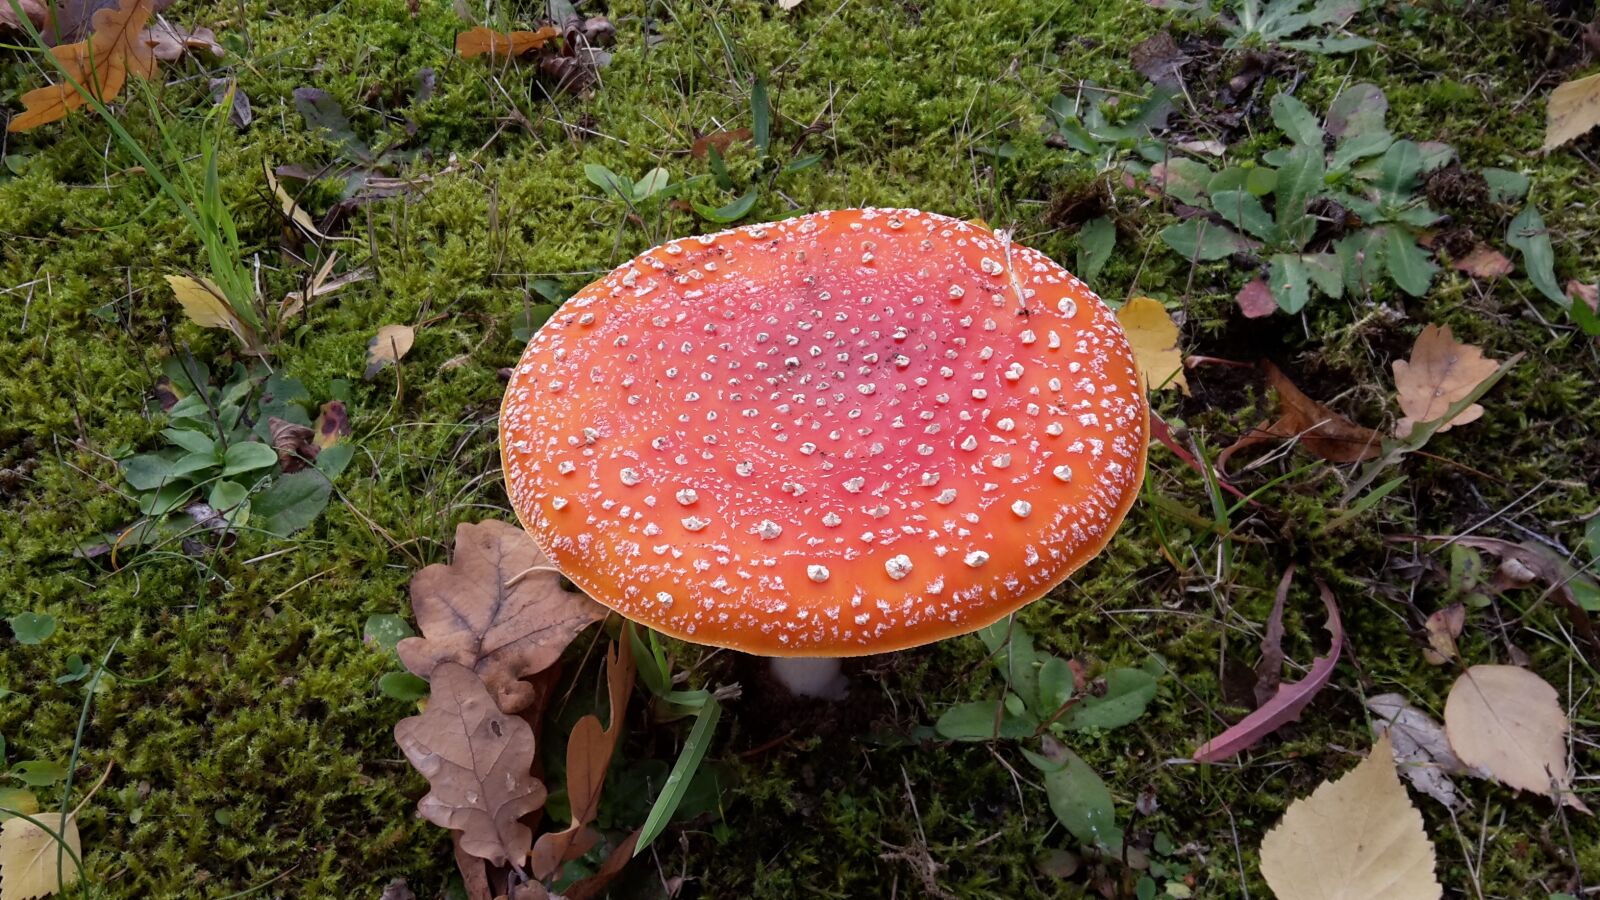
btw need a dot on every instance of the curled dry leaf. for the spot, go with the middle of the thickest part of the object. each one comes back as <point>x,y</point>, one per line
<point>169,42</point>
<point>478,762</point>
<point>388,346</point>
<point>33,9</point>
<point>1319,429</point>
<point>28,856</point>
<point>1286,704</point>
<point>292,210</point>
<point>295,443</point>
<point>497,608</point>
<point>1485,262</point>
<point>1443,627</point>
<point>1440,372</point>
<point>1573,110</point>
<point>589,751</point>
<point>1154,338</point>
<point>1355,838</point>
<point>101,65</point>
<point>480,41</point>
<point>1509,722</point>
<point>1421,749</point>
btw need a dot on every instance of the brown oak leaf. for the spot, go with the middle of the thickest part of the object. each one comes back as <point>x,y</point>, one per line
<point>480,40</point>
<point>1319,429</point>
<point>1440,372</point>
<point>100,65</point>
<point>479,764</point>
<point>497,608</point>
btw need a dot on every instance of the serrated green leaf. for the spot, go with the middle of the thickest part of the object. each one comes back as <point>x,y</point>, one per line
<point>1095,243</point>
<point>1299,179</point>
<point>1408,263</point>
<point>1359,147</point>
<point>1199,240</point>
<point>291,503</point>
<point>1243,211</point>
<point>1359,109</point>
<point>1528,234</point>
<point>1361,259</point>
<point>1506,186</point>
<point>1297,123</point>
<point>1325,273</point>
<point>1183,178</point>
<point>1128,692</point>
<point>1290,282</point>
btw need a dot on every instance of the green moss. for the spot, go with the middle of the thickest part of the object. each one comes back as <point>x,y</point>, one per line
<point>248,739</point>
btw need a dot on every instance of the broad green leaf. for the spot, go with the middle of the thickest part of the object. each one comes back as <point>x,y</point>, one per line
<point>1506,186</point>
<point>1203,241</point>
<point>1329,46</point>
<point>1290,282</point>
<point>1299,180</point>
<point>1244,211</point>
<point>1056,685</point>
<point>164,500</point>
<point>332,461</point>
<point>1261,182</point>
<point>1359,109</point>
<point>248,456</point>
<point>1011,650</point>
<point>32,628</point>
<point>719,169</point>
<point>1408,264</point>
<point>1128,692</point>
<point>1297,123</point>
<point>38,773</point>
<point>227,495</point>
<point>1398,170</point>
<point>1095,242</point>
<point>148,471</point>
<point>1325,273</point>
<point>192,441</point>
<point>732,212</point>
<point>1079,799</point>
<point>653,182</point>
<point>291,503</point>
<point>1528,234</point>
<point>1361,259</point>
<point>975,721</point>
<point>386,630</point>
<point>1231,179</point>
<point>609,182</point>
<point>403,686</point>
<point>694,750</point>
<point>1182,178</point>
<point>1359,147</point>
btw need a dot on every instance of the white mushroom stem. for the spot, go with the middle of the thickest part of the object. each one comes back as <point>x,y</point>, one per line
<point>818,677</point>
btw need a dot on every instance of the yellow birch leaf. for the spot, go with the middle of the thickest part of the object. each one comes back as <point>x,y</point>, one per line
<point>1509,722</point>
<point>389,345</point>
<point>204,304</point>
<point>1154,339</point>
<point>1574,108</point>
<point>28,857</point>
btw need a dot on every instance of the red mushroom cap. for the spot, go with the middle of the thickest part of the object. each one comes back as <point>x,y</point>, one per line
<point>844,433</point>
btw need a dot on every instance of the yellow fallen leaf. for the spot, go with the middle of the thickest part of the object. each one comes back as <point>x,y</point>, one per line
<point>28,857</point>
<point>205,306</point>
<point>1357,837</point>
<point>292,210</point>
<point>1509,722</point>
<point>1440,372</point>
<point>1154,338</point>
<point>1574,108</point>
<point>389,345</point>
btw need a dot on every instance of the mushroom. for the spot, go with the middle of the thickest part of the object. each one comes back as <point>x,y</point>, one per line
<point>844,433</point>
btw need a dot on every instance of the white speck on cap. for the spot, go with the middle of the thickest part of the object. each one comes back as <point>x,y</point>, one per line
<point>898,567</point>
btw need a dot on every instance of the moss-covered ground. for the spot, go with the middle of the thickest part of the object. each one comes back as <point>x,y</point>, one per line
<point>249,744</point>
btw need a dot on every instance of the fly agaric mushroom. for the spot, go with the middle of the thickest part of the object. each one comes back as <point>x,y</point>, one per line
<point>844,433</point>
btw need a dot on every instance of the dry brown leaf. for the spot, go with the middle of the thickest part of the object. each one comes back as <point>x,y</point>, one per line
<point>295,443</point>
<point>480,40</point>
<point>1421,749</point>
<point>1355,838</point>
<point>169,42</point>
<point>1588,293</point>
<point>1255,299</point>
<point>1509,722</point>
<point>1485,262</point>
<point>721,140</point>
<point>1574,108</point>
<point>479,764</point>
<point>1320,430</point>
<point>1443,627</point>
<point>496,608</point>
<point>1154,338</point>
<point>33,9</point>
<point>388,346</point>
<point>589,752</point>
<point>1440,372</point>
<point>28,856</point>
<point>595,885</point>
<point>100,64</point>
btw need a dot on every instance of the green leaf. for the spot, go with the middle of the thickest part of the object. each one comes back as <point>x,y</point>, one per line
<point>1359,147</point>
<point>1128,692</point>
<point>608,181</point>
<point>1585,318</point>
<point>1506,186</point>
<point>164,500</point>
<point>323,112</point>
<point>192,441</point>
<point>1296,122</point>
<point>227,495</point>
<point>291,503</point>
<point>653,182</point>
<point>1528,234</point>
<point>1261,182</point>
<point>1329,46</point>
<point>1299,179</point>
<point>1325,273</point>
<point>760,118</point>
<point>32,628</point>
<point>694,750</point>
<point>733,212</point>
<point>975,721</point>
<point>1398,170</point>
<point>1290,282</point>
<point>332,461</point>
<point>150,471</point>
<point>1095,243</point>
<point>1408,263</point>
<point>719,169</point>
<point>1230,179</point>
<point>1201,241</point>
<point>1244,211</point>
<point>248,456</point>
<point>403,686</point>
<point>1361,259</point>
<point>1011,650</point>
<point>801,163</point>
<point>23,801</point>
<point>1183,178</point>
<point>1056,684</point>
<point>386,630</point>
<point>1079,799</point>
<point>38,773</point>
<point>1358,110</point>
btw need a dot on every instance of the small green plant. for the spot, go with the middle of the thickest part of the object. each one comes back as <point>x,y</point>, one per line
<point>1280,23</point>
<point>768,168</point>
<point>1116,128</point>
<point>248,448</point>
<point>642,200</point>
<point>1043,702</point>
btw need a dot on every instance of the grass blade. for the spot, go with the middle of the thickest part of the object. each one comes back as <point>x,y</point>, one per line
<point>694,750</point>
